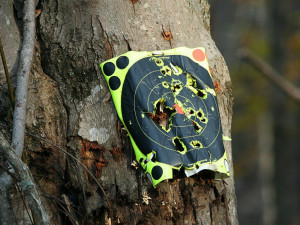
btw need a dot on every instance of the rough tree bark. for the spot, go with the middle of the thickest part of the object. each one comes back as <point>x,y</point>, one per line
<point>69,104</point>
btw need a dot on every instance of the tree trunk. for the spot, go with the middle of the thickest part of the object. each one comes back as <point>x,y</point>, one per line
<point>69,104</point>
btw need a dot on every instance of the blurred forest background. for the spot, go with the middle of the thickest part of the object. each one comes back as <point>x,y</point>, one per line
<point>266,122</point>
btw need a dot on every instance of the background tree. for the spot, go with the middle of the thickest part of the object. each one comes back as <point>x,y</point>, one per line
<point>69,105</point>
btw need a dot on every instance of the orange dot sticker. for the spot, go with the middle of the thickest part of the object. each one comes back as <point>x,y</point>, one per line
<point>198,55</point>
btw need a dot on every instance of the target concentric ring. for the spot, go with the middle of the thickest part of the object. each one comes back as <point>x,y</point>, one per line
<point>168,105</point>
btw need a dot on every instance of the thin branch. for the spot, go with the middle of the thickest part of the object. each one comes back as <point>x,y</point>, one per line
<point>25,59</point>
<point>11,93</point>
<point>290,89</point>
<point>23,76</point>
<point>27,183</point>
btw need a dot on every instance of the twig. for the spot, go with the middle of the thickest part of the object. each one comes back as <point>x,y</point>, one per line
<point>82,165</point>
<point>11,93</point>
<point>290,89</point>
<point>27,183</point>
<point>23,77</point>
<point>25,59</point>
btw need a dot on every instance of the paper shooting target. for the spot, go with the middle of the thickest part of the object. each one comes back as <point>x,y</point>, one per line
<point>167,102</point>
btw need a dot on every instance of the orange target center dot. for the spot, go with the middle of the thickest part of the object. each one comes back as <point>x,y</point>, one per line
<point>199,55</point>
<point>178,109</point>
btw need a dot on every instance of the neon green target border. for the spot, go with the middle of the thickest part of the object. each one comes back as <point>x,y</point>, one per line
<point>167,103</point>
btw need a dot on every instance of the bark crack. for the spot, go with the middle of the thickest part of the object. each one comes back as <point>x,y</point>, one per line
<point>194,210</point>
<point>189,204</point>
<point>226,201</point>
<point>210,214</point>
<point>56,9</point>
<point>93,31</point>
<point>127,43</point>
<point>106,39</point>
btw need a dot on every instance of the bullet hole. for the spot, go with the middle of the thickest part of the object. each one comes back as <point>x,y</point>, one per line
<point>162,114</point>
<point>157,61</point>
<point>179,145</point>
<point>199,114</point>
<point>165,84</point>
<point>191,81</point>
<point>196,144</point>
<point>203,120</point>
<point>201,94</point>
<point>197,127</point>
<point>165,70</point>
<point>189,112</point>
<point>176,88</point>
